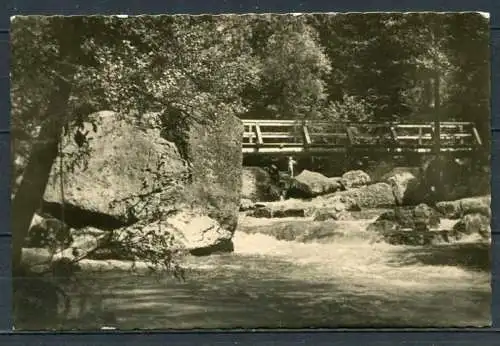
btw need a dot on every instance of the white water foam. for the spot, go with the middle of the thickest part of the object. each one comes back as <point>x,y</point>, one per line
<point>355,259</point>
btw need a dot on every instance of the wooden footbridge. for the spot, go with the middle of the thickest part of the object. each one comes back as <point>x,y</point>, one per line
<point>291,137</point>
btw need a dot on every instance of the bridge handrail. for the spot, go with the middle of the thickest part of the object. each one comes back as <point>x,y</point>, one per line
<point>287,122</point>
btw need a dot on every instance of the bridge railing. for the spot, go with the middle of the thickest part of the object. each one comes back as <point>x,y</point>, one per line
<point>309,134</point>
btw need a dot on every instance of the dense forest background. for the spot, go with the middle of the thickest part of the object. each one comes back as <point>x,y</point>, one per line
<point>354,66</point>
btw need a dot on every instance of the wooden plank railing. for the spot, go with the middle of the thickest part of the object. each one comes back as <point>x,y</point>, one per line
<point>291,135</point>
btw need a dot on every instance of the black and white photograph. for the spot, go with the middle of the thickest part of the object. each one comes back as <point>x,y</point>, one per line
<point>250,171</point>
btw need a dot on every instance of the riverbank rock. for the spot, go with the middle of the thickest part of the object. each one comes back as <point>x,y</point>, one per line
<point>310,184</point>
<point>84,242</point>
<point>356,178</point>
<point>48,232</point>
<point>474,223</point>
<point>421,217</point>
<point>200,234</point>
<point>410,226</point>
<point>457,209</point>
<point>406,186</point>
<point>281,209</point>
<point>425,217</point>
<point>378,195</point>
<point>190,231</point>
<point>335,205</point>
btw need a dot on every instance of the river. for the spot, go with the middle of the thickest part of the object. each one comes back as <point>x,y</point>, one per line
<point>347,281</point>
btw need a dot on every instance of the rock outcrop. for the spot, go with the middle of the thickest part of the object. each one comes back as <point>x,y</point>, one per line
<point>211,144</point>
<point>135,172</point>
<point>124,163</point>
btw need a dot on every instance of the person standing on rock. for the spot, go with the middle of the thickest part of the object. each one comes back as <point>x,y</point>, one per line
<point>291,164</point>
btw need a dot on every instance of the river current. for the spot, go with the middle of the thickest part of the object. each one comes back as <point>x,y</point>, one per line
<point>348,281</point>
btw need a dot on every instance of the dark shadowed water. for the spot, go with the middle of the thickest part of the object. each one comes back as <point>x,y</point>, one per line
<point>348,282</point>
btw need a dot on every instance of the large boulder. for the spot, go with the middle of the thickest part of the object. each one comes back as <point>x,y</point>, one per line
<point>191,231</point>
<point>356,178</point>
<point>124,163</point>
<point>211,143</point>
<point>200,234</point>
<point>406,185</point>
<point>335,203</point>
<point>378,195</point>
<point>133,171</point>
<point>311,184</point>
<point>457,209</point>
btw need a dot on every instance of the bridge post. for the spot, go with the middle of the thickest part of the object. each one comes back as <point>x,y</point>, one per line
<point>250,130</point>
<point>259,134</point>
<point>305,132</point>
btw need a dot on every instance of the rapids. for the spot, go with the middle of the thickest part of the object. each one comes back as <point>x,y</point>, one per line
<point>347,281</point>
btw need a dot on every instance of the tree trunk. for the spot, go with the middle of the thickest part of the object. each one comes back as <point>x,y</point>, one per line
<point>36,174</point>
<point>437,114</point>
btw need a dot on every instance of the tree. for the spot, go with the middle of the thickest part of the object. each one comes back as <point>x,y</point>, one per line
<point>58,75</point>
<point>193,65</point>
<point>293,69</point>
